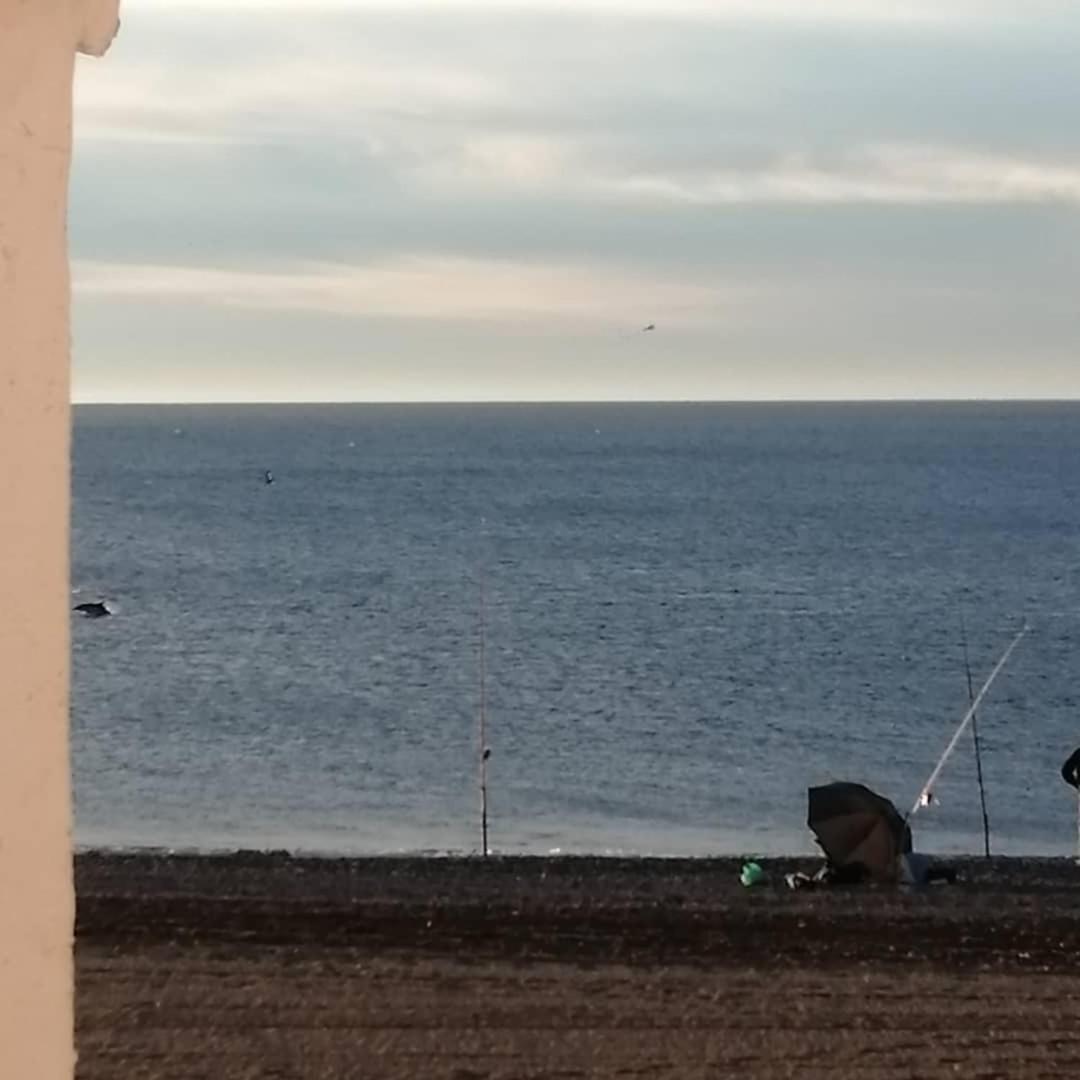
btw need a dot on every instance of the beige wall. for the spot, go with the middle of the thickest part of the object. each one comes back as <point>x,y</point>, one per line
<point>38,43</point>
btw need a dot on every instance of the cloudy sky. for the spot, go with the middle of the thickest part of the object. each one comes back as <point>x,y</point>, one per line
<point>371,200</point>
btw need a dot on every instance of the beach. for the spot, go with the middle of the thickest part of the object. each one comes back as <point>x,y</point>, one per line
<point>265,965</point>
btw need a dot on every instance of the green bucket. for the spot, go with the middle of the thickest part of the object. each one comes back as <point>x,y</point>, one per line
<point>752,874</point>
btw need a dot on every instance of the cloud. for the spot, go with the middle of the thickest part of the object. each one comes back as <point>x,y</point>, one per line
<point>251,99</point>
<point>885,175</point>
<point>887,11</point>
<point>419,287</point>
<point>426,85</point>
<point>828,178</point>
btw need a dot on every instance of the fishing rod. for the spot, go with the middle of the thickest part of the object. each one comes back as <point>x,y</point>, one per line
<point>484,750</point>
<point>927,788</point>
<point>975,738</point>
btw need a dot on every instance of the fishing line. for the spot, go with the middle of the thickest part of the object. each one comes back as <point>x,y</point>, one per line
<point>929,785</point>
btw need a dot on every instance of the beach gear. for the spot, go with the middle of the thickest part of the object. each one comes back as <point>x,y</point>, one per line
<point>851,874</point>
<point>857,828</point>
<point>1070,771</point>
<point>752,874</point>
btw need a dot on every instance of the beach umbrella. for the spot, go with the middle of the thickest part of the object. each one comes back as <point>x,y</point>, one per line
<point>856,826</point>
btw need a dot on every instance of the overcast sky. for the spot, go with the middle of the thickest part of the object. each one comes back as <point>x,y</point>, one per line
<point>380,200</point>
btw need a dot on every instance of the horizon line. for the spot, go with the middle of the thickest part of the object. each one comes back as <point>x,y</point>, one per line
<point>581,401</point>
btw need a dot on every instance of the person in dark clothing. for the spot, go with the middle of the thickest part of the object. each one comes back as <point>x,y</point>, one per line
<point>1070,771</point>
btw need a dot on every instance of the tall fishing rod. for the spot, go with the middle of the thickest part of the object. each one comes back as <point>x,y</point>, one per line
<point>928,787</point>
<point>484,749</point>
<point>975,738</point>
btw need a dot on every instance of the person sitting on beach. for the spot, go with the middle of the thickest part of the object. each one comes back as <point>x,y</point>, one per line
<point>919,870</point>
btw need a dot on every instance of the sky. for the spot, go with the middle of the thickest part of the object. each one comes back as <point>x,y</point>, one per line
<point>475,200</point>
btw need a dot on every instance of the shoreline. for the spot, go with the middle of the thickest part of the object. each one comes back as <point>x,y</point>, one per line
<point>1005,912</point>
<point>801,853</point>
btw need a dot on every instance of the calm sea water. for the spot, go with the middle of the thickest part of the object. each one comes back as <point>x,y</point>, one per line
<point>691,612</point>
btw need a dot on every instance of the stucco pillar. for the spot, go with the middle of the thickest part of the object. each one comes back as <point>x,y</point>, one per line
<point>38,43</point>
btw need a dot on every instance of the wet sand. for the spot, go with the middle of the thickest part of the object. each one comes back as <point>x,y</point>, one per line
<point>264,966</point>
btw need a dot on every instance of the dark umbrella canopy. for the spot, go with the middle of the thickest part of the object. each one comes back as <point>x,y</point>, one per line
<point>855,826</point>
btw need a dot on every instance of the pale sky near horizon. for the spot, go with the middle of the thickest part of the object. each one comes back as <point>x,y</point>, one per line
<point>375,200</point>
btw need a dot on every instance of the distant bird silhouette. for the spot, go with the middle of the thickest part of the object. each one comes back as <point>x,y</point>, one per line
<point>646,329</point>
<point>268,476</point>
<point>94,610</point>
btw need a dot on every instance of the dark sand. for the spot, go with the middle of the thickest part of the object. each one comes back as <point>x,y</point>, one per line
<point>261,966</point>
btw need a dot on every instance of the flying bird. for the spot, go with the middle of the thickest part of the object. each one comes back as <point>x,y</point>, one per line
<point>646,329</point>
<point>268,477</point>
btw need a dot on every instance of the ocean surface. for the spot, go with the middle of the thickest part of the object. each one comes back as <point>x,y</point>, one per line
<point>690,614</point>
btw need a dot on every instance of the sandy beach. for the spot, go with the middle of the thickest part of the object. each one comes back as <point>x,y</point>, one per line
<point>262,965</point>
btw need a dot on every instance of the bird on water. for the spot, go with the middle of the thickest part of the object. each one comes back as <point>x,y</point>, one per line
<point>95,609</point>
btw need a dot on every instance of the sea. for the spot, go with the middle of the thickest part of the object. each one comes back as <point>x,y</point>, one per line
<point>670,620</point>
